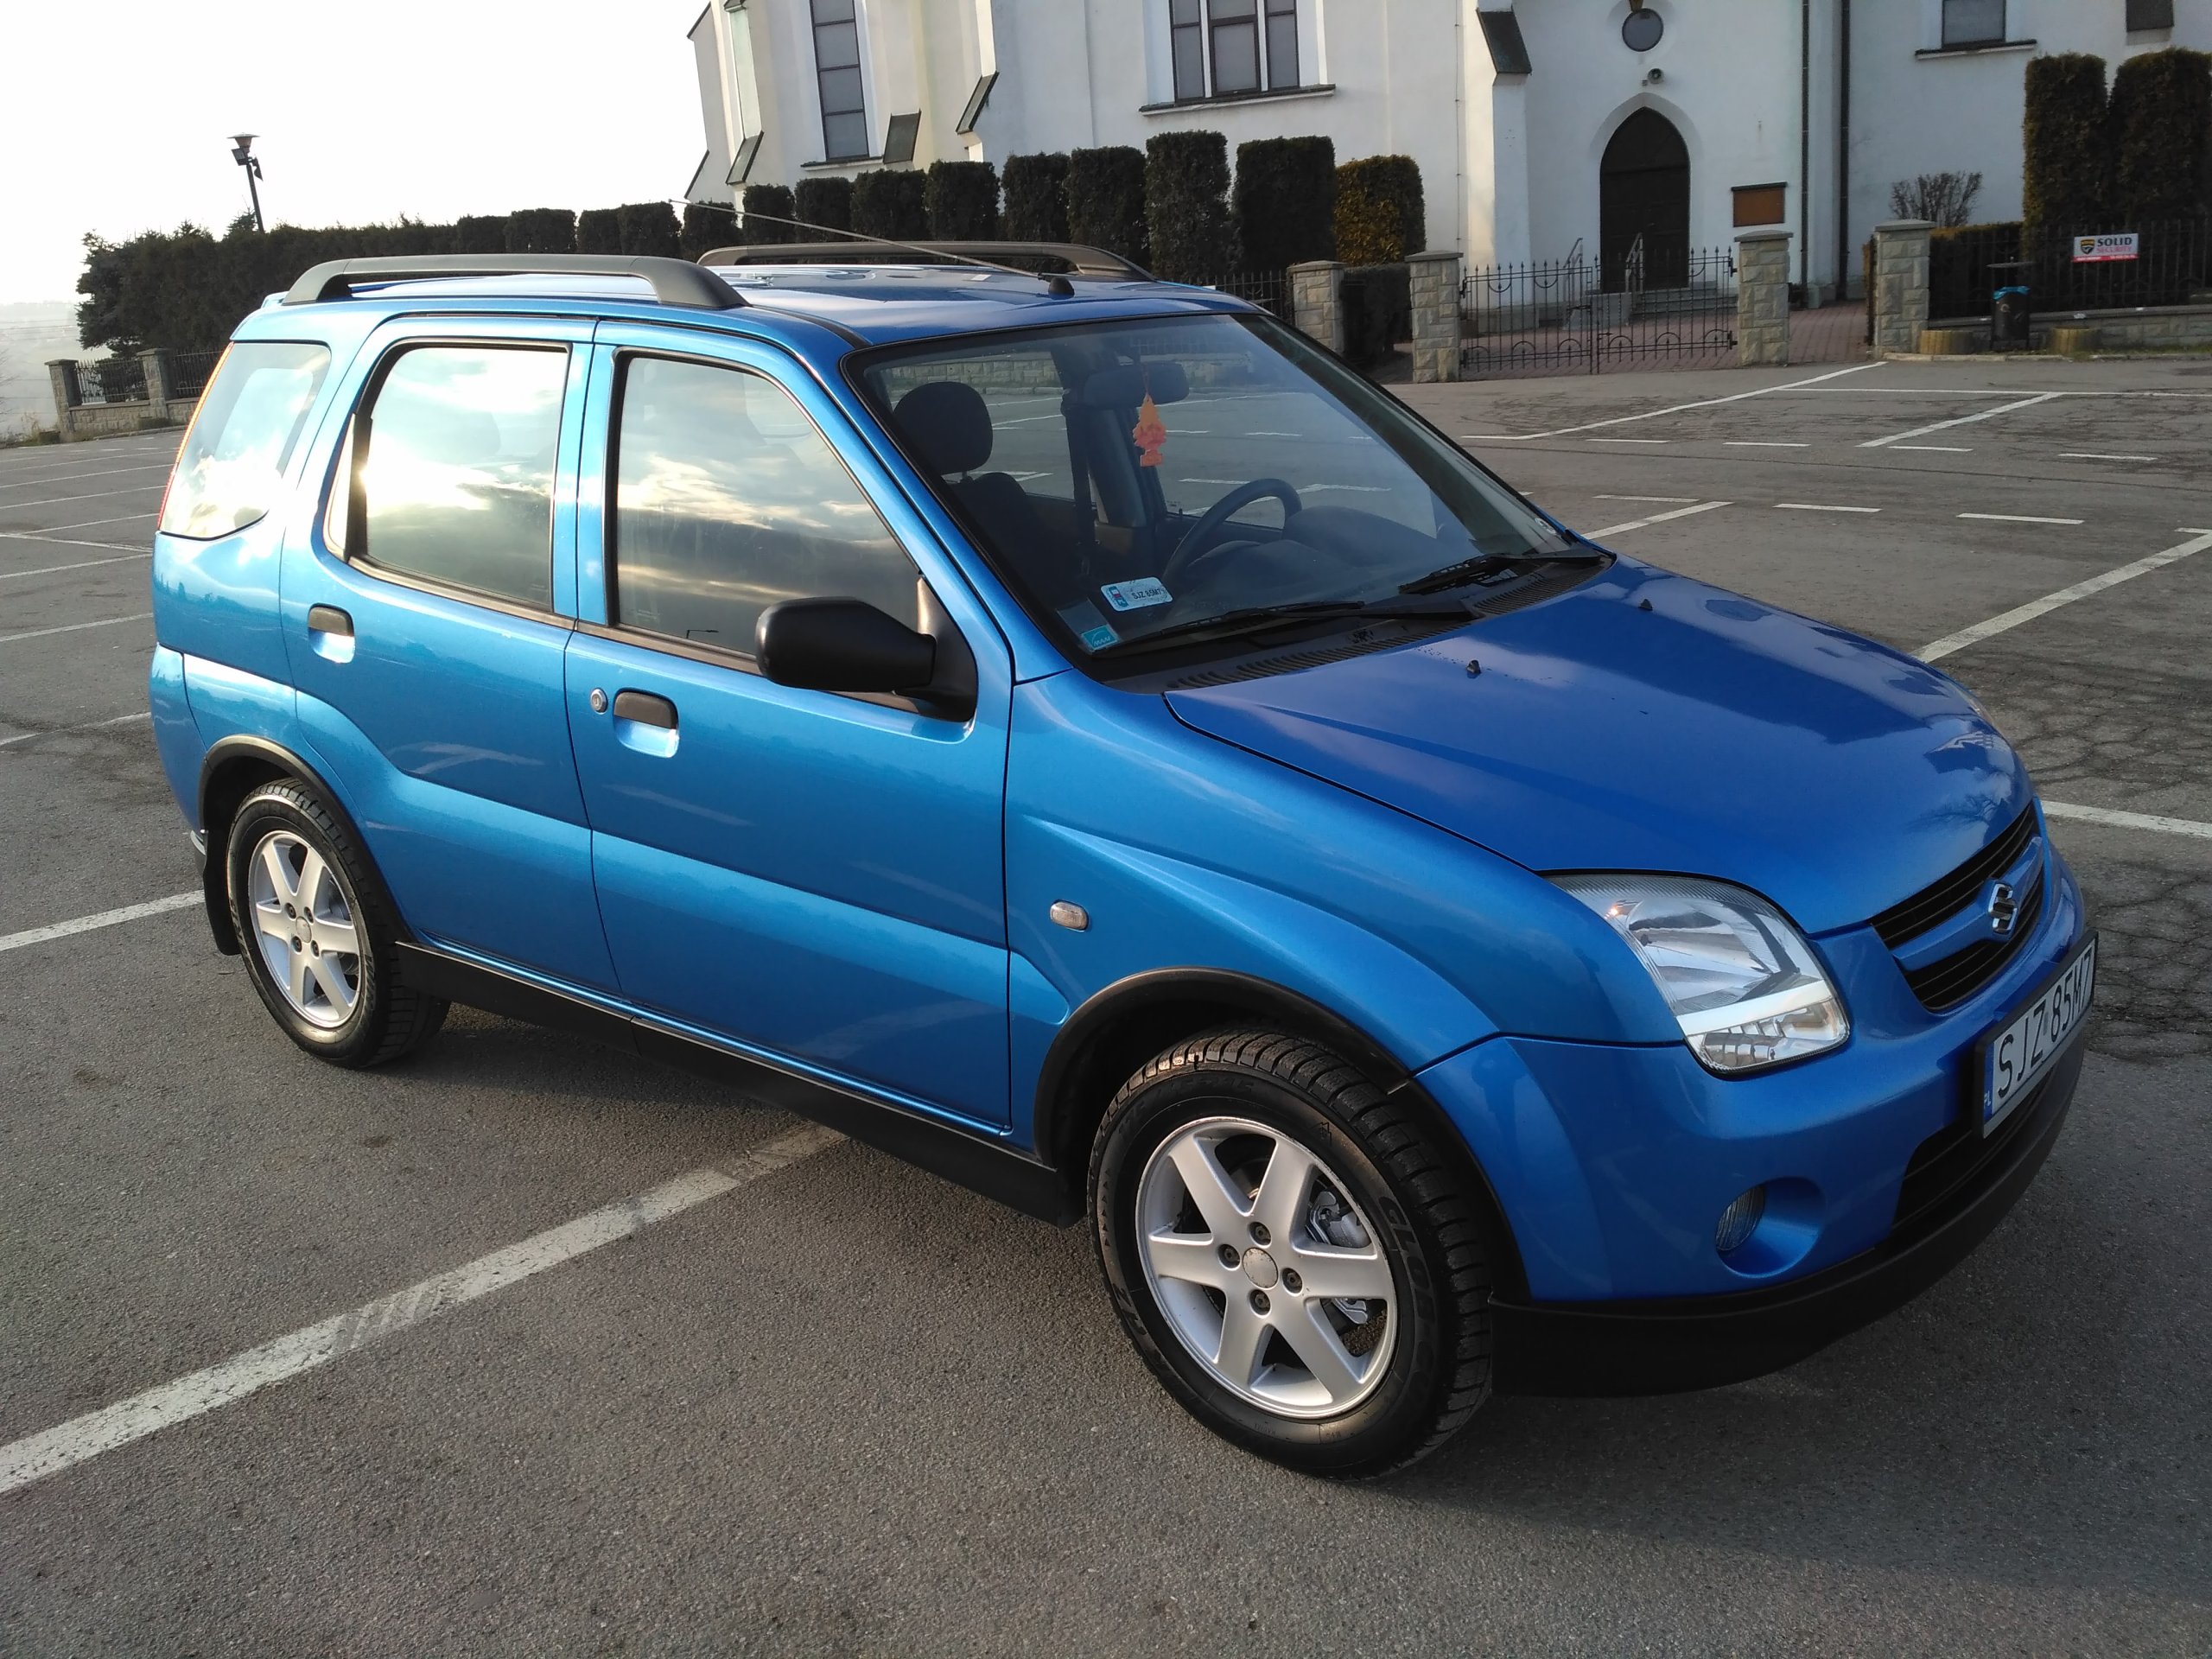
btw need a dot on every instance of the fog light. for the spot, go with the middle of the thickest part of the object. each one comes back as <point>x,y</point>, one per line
<point>1738,1220</point>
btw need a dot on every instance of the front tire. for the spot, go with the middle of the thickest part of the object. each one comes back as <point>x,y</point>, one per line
<point>316,933</point>
<point>1293,1257</point>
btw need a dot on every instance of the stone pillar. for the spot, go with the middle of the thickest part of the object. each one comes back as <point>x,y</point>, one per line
<point>1316,301</point>
<point>1900,285</point>
<point>1435,284</point>
<point>156,363</point>
<point>68,390</point>
<point>1762,298</point>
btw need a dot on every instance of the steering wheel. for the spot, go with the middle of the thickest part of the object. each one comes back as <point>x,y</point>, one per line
<point>1201,536</point>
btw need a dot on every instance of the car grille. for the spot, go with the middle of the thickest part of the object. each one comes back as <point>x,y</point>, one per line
<point>1951,980</point>
<point>1952,1160</point>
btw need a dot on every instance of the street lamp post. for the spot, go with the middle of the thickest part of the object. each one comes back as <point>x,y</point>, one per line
<point>242,153</point>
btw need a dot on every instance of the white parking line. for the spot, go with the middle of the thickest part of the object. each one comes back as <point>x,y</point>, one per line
<point>1761,443</point>
<point>1655,519</point>
<point>104,472</point>
<point>58,541</point>
<point>2017,518</point>
<point>89,725</point>
<point>1664,500</point>
<point>84,564</point>
<point>82,1438</point>
<point>1654,414</point>
<point>1932,449</point>
<point>1816,507</point>
<point>75,628</point>
<point>2129,820</point>
<point>89,495</point>
<point>2200,540</point>
<point>1963,420</point>
<point>90,523</point>
<point>2083,454</point>
<point>104,918</point>
<point>1627,439</point>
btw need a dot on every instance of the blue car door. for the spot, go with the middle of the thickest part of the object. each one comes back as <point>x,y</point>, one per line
<point>814,878</point>
<point>426,613</point>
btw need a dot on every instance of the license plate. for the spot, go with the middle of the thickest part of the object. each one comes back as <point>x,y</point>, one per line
<point>2015,1057</point>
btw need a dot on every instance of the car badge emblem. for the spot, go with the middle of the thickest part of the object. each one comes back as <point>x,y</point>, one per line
<point>2004,906</point>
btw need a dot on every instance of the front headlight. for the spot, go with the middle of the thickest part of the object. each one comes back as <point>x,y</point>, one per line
<point>1740,979</point>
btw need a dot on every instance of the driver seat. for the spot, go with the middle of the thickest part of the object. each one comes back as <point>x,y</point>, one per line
<point>949,426</point>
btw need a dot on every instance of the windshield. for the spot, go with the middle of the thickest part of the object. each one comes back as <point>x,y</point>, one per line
<point>1183,478</point>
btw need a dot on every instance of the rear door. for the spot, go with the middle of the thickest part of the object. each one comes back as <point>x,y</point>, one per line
<point>815,877</point>
<point>427,611</point>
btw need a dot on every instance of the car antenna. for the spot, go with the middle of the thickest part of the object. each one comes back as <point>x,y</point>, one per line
<point>1055,285</point>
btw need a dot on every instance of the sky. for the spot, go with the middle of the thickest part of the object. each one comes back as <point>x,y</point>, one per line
<point>118,114</point>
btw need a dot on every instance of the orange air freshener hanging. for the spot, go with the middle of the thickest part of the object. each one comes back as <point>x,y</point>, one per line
<point>1150,433</point>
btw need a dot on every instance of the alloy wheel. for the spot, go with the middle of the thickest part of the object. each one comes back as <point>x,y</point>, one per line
<point>305,929</point>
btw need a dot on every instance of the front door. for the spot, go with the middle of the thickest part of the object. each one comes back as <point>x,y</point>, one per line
<point>814,878</point>
<point>1643,205</point>
<point>424,614</point>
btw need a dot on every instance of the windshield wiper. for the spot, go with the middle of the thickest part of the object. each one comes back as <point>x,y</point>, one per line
<point>1467,571</point>
<point>1255,618</point>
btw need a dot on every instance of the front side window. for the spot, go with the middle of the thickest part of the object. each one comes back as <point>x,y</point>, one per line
<point>453,475</point>
<point>1162,478</point>
<point>727,499</point>
<point>1972,22</point>
<point>837,72</point>
<point>232,463</point>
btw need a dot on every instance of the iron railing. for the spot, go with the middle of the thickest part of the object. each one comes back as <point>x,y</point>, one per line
<point>2173,261</point>
<point>1269,289</point>
<point>112,380</point>
<point>1582,316</point>
<point>189,372</point>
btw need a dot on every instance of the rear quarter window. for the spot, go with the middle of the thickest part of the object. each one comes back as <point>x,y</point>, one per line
<point>232,463</point>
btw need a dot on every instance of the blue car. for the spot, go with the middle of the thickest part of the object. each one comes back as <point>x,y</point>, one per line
<point>1074,733</point>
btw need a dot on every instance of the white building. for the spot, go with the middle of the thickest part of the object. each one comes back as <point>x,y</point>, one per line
<point>1538,124</point>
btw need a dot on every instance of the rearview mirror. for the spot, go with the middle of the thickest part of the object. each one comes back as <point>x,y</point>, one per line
<point>845,644</point>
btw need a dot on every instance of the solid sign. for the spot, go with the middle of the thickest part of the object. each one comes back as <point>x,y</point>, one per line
<point>2089,250</point>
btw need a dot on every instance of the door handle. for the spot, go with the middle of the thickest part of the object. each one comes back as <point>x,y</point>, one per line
<point>328,618</point>
<point>645,708</point>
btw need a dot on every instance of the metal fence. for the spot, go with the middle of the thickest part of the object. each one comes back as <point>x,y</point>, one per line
<point>1270,289</point>
<point>190,372</point>
<point>1584,317</point>
<point>2173,261</point>
<point>112,380</point>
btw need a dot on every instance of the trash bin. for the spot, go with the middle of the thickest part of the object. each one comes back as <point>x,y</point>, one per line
<point>2010,317</point>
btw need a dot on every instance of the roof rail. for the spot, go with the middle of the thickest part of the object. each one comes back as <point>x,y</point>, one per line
<point>674,281</point>
<point>1046,258</point>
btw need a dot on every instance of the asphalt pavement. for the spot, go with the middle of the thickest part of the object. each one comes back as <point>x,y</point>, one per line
<point>839,1405</point>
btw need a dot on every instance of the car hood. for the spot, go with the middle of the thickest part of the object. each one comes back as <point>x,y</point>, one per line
<point>1647,721</point>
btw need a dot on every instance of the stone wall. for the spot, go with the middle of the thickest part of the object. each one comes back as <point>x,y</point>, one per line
<point>76,418</point>
<point>1762,298</point>
<point>1900,285</point>
<point>1435,284</point>
<point>1317,302</point>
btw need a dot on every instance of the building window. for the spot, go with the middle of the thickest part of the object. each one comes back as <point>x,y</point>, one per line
<point>2150,14</point>
<point>1282,45</point>
<point>1232,49</point>
<point>837,68</point>
<point>1972,22</point>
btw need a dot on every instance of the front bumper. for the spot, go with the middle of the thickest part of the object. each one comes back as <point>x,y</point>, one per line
<point>1664,1345</point>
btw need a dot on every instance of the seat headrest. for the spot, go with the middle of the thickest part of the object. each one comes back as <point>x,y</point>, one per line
<point>947,425</point>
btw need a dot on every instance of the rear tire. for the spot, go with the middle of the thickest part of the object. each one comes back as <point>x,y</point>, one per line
<point>316,933</point>
<point>1324,1180</point>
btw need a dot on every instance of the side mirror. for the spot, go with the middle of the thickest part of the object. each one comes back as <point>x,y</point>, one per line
<point>847,645</point>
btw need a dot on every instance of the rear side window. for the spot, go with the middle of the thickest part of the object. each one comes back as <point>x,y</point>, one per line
<point>232,463</point>
<point>453,469</point>
<point>727,499</point>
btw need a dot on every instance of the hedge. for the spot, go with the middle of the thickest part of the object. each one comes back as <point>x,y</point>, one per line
<point>648,227</point>
<point>888,204</point>
<point>826,202</point>
<point>1036,197</point>
<point>2161,127</point>
<point>1380,215</point>
<point>599,230</point>
<point>480,234</point>
<point>1186,207</point>
<point>1959,283</point>
<point>1285,204</point>
<point>2066,151</point>
<point>542,229</point>
<point>706,224</point>
<point>1105,200</point>
<point>772,202</point>
<point>962,199</point>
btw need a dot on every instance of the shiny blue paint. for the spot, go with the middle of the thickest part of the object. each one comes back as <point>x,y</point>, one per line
<point>176,738</point>
<point>1975,924</point>
<point>858,892</point>
<point>821,875</point>
<point>1603,736</point>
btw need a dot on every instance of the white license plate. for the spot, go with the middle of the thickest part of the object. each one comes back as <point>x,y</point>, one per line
<point>2018,1054</point>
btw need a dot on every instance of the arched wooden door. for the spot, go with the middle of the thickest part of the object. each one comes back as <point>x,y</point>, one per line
<point>1643,190</point>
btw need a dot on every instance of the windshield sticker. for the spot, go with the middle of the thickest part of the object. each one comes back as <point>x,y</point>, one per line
<point>1135,596</point>
<point>1088,625</point>
<point>1149,433</point>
